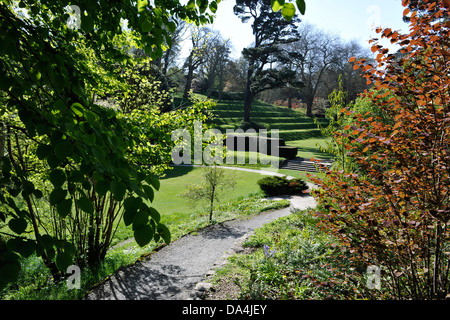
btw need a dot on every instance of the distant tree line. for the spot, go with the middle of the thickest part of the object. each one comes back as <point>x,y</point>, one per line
<point>289,61</point>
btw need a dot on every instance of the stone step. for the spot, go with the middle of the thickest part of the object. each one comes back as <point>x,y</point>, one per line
<point>300,164</point>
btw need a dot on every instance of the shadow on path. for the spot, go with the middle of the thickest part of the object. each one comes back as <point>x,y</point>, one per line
<point>172,272</point>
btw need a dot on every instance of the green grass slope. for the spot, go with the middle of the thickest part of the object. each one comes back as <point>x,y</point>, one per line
<point>294,126</point>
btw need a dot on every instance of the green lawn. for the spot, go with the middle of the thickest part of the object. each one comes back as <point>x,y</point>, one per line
<point>244,200</point>
<point>168,200</point>
<point>309,148</point>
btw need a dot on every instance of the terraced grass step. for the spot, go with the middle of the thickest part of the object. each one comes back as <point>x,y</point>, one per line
<point>289,123</point>
<point>289,126</point>
<point>293,125</point>
<point>289,135</point>
<point>260,114</point>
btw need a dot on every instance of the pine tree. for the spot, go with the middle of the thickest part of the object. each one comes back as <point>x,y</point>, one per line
<point>271,30</point>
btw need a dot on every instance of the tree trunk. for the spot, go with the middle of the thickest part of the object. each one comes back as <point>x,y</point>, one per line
<point>309,105</point>
<point>166,61</point>
<point>211,208</point>
<point>188,84</point>
<point>248,96</point>
<point>221,83</point>
<point>2,139</point>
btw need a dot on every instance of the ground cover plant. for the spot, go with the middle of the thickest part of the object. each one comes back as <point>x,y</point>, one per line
<point>291,259</point>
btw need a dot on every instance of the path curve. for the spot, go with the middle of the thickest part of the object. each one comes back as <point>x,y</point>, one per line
<point>173,272</point>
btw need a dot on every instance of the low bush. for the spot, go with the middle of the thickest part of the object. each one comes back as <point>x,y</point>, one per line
<point>276,186</point>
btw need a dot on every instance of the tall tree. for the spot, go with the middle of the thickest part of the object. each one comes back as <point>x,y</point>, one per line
<point>271,30</point>
<point>217,53</point>
<point>353,82</point>
<point>312,55</point>
<point>199,40</point>
<point>50,72</point>
<point>236,75</point>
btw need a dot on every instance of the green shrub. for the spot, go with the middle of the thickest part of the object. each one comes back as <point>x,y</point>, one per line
<point>275,186</point>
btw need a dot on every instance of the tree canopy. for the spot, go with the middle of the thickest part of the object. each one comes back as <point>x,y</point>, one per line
<point>271,29</point>
<point>393,212</point>
<point>58,144</point>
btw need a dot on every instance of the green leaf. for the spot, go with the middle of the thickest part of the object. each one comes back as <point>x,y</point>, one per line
<point>140,219</point>
<point>131,205</point>
<point>78,109</point>
<point>5,83</point>
<point>9,268</point>
<point>164,232</point>
<point>57,177</point>
<point>143,235</point>
<point>28,188</point>
<point>277,5</point>
<point>22,246</point>
<point>148,192</point>
<point>301,5</point>
<point>102,187</point>
<point>50,253</point>
<point>57,195</point>
<point>46,241</point>
<point>191,4</point>
<point>27,248</point>
<point>35,75</point>
<point>17,225</point>
<point>43,151</point>
<point>86,185</point>
<point>85,204</point>
<point>146,26</point>
<point>213,7</point>
<point>38,193</point>
<point>87,23</point>
<point>154,181</point>
<point>154,214</point>
<point>64,207</point>
<point>63,261</point>
<point>63,149</point>
<point>202,5</point>
<point>171,26</point>
<point>118,189</point>
<point>6,166</point>
<point>141,5</point>
<point>288,11</point>
<point>53,161</point>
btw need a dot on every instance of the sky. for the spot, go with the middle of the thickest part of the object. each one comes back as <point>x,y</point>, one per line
<point>351,19</point>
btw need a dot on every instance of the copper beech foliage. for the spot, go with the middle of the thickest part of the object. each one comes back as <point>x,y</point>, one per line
<point>395,212</point>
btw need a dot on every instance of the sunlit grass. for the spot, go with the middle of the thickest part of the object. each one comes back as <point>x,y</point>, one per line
<point>246,199</point>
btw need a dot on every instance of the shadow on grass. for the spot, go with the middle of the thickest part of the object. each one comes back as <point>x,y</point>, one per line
<point>177,172</point>
<point>317,154</point>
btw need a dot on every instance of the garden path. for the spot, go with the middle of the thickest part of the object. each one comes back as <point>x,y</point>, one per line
<point>173,272</point>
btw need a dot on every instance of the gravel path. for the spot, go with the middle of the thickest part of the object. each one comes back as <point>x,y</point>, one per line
<point>173,272</point>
